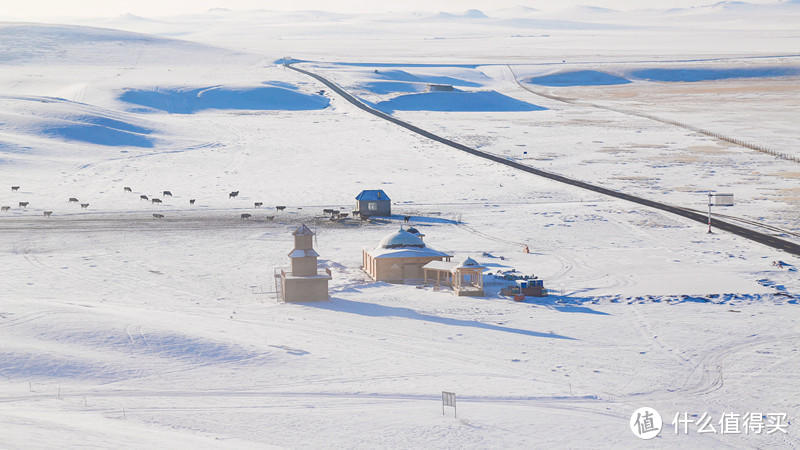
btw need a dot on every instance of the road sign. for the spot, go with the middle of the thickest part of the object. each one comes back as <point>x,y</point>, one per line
<point>449,399</point>
<point>715,199</point>
<point>722,200</point>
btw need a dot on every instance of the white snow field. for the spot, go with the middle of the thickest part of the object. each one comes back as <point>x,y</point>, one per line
<point>120,330</point>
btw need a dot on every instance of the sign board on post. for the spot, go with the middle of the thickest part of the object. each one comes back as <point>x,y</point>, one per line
<point>449,399</point>
<point>722,200</point>
<point>718,200</point>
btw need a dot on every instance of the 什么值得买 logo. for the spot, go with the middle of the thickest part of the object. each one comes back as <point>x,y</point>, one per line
<point>646,423</point>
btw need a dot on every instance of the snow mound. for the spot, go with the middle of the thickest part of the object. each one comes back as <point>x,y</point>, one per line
<point>388,87</point>
<point>189,101</point>
<point>555,24</point>
<point>41,366</point>
<point>92,133</point>
<point>401,75</point>
<point>8,148</point>
<point>709,74</point>
<point>578,78</point>
<point>404,64</point>
<point>282,84</point>
<point>72,121</point>
<point>456,101</point>
<point>468,14</point>
<point>159,344</point>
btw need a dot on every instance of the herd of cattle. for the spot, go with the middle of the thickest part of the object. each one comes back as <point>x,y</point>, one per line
<point>151,199</point>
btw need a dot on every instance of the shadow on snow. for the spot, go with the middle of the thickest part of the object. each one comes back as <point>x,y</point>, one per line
<point>565,304</point>
<point>479,101</point>
<point>578,78</point>
<point>375,310</point>
<point>188,101</point>
<point>709,74</point>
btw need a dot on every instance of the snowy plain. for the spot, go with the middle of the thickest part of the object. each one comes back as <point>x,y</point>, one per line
<point>118,330</point>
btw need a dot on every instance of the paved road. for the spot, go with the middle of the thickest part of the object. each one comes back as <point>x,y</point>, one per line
<point>771,241</point>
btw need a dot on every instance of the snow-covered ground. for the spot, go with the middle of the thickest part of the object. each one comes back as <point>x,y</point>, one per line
<point>120,330</point>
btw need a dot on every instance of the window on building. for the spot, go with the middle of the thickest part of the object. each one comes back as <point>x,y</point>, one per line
<point>372,206</point>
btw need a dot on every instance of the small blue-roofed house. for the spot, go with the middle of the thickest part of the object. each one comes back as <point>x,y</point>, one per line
<point>373,202</point>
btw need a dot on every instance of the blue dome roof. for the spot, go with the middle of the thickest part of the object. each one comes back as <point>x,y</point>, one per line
<point>400,239</point>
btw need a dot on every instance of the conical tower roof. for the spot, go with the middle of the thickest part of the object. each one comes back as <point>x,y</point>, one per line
<point>303,230</point>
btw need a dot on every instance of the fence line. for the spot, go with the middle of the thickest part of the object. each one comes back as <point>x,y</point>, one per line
<point>721,137</point>
<point>739,142</point>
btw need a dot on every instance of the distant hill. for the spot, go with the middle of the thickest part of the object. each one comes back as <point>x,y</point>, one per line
<point>24,43</point>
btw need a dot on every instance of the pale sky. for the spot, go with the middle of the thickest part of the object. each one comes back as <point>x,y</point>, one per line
<point>42,9</point>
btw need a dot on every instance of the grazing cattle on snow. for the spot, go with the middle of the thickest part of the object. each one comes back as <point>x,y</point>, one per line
<point>280,208</point>
<point>246,216</point>
<point>128,189</point>
<point>5,208</point>
<point>158,216</point>
<point>406,219</point>
<point>143,197</point>
<point>233,194</point>
<point>269,217</point>
<point>14,188</point>
<point>23,204</point>
<point>73,200</point>
<point>156,200</point>
<point>167,194</point>
<point>191,201</point>
<point>48,213</point>
<point>258,204</point>
<point>84,205</point>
